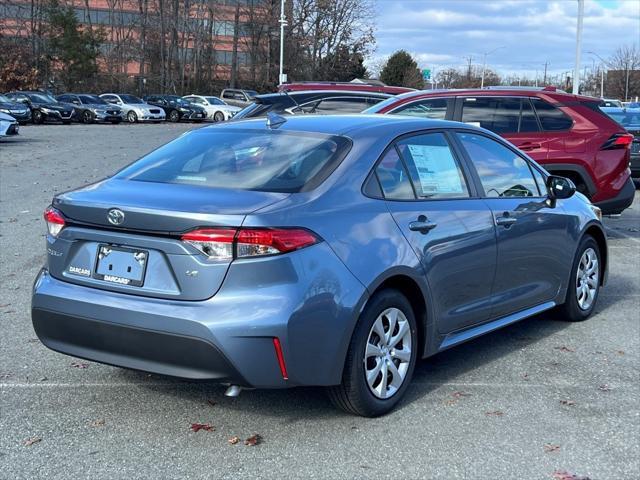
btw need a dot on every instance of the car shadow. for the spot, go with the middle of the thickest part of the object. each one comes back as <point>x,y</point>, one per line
<point>430,374</point>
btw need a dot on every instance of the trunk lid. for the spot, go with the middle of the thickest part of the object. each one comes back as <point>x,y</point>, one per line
<point>143,255</point>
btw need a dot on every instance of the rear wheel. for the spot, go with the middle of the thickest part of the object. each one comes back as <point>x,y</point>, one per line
<point>37,117</point>
<point>584,283</point>
<point>381,357</point>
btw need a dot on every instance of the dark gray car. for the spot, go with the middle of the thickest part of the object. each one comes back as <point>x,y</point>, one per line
<point>91,108</point>
<point>314,250</point>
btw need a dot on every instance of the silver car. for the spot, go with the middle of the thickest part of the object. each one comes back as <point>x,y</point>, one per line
<point>135,109</point>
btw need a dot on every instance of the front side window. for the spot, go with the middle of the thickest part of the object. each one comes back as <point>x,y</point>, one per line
<point>551,118</point>
<point>433,168</point>
<point>435,108</point>
<point>272,161</point>
<point>502,172</point>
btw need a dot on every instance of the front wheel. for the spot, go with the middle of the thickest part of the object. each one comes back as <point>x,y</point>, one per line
<point>218,117</point>
<point>37,117</point>
<point>174,116</point>
<point>132,117</point>
<point>381,357</point>
<point>87,117</point>
<point>584,283</point>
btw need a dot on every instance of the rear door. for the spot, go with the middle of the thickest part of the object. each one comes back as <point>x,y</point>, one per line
<point>510,117</point>
<point>533,258</point>
<point>450,228</point>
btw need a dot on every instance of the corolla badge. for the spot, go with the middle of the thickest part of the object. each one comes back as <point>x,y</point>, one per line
<point>115,216</point>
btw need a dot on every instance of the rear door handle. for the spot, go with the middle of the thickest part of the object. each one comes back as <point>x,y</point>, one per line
<point>422,225</point>
<point>527,147</point>
<point>506,220</point>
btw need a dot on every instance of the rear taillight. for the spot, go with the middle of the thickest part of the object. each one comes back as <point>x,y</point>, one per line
<point>619,140</point>
<point>55,221</point>
<point>230,243</point>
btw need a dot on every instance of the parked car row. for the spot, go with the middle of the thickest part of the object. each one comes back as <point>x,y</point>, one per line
<point>40,107</point>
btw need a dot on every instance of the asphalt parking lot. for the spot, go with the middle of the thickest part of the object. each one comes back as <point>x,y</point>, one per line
<point>536,399</point>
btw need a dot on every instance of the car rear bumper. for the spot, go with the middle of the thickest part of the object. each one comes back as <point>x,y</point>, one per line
<point>132,347</point>
<point>309,301</point>
<point>620,202</point>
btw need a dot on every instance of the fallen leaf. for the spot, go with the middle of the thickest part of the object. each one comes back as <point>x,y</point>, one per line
<point>549,447</point>
<point>555,364</point>
<point>604,388</point>
<point>97,423</point>
<point>525,377</point>
<point>564,475</point>
<point>211,402</point>
<point>253,440</point>
<point>460,394</point>
<point>201,426</point>
<point>79,365</point>
<point>5,375</point>
<point>450,402</point>
<point>233,440</point>
<point>620,352</point>
<point>44,379</point>
<point>495,413</point>
<point>31,441</point>
<point>564,348</point>
<point>568,403</point>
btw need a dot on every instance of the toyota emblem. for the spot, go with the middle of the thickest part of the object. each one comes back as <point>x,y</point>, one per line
<point>115,216</point>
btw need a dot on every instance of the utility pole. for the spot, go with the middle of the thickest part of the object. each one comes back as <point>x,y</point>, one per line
<point>576,70</point>
<point>544,80</point>
<point>601,82</point>
<point>484,64</point>
<point>283,21</point>
<point>469,59</point>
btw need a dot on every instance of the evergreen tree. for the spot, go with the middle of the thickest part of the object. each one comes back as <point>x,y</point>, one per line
<point>402,70</point>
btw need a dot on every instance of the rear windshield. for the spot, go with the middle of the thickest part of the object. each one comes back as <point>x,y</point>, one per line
<point>626,118</point>
<point>264,160</point>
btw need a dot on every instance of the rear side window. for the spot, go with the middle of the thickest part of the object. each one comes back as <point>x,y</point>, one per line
<point>433,168</point>
<point>272,161</point>
<point>499,114</point>
<point>551,118</point>
<point>329,106</point>
<point>502,172</point>
<point>435,108</point>
<point>393,177</point>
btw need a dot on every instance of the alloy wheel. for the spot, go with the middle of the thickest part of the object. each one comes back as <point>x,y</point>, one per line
<point>218,117</point>
<point>387,354</point>
<point>587,279</point>
<point>132,117</point>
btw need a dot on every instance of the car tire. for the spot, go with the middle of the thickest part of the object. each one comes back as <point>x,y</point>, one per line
<point>584,283</point>
<point>132,117</point>
<point>174,116</point>
<point>37,117</point>
<point>87,117</point>
<point>370,352</point>
<point>218,117</point>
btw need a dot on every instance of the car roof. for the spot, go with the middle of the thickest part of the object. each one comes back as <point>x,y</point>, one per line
<point>309,94</point>
<point>348,125</point>
<point>342,86</point>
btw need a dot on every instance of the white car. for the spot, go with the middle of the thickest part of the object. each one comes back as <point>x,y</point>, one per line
<point>8,125</point>
<point>135,109</point>
<point>217,109</point>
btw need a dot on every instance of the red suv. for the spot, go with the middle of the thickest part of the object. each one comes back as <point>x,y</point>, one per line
<point>568,134</point>
<point>344,86</point>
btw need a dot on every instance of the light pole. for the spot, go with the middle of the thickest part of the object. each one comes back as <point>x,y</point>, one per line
<point>283,22</point>
<point>484,64</point>
<point>604,62</point>
<point>576,70</point>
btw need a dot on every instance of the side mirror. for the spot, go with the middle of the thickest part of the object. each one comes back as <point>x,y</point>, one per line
<point>560,187</point>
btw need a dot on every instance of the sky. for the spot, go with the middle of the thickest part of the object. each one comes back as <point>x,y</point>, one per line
<point>520,34</point>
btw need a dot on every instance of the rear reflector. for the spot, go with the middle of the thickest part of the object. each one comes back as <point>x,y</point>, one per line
<point>619,140</point>
<point>55,221</point>
<point>227,243</point>
<point>280,357</point>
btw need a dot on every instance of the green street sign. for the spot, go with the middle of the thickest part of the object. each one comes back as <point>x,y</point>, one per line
<point>426,74</point>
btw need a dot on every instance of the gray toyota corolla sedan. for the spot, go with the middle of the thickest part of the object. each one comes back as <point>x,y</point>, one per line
<point>314,250</point>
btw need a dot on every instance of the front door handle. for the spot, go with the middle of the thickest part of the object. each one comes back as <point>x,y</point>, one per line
<point>422,225</point>
<point>506,220</point>
<point>527,147</point>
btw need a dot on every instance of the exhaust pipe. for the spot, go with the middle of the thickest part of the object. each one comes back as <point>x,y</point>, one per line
<point>233,391</point>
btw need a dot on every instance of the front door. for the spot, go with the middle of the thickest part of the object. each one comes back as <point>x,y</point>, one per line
<point>450,229</point>
<point>533,262</point>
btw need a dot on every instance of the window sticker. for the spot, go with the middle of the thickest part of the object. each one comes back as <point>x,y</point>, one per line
<point>437,170</point>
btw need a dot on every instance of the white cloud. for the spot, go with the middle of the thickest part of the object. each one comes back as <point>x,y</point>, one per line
<point>442,33</point>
